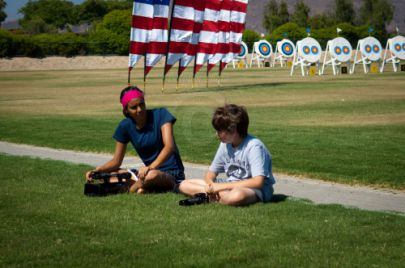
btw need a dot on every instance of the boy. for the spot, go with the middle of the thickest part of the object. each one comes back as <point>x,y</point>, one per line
<point>242,157</point>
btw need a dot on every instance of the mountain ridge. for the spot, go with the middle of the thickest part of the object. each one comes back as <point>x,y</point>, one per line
<point>254,18</point>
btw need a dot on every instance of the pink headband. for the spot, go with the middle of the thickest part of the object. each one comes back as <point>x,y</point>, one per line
<point>129,95</point>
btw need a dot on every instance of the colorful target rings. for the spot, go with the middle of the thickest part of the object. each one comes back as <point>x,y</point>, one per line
<point>287,48</point>
<point>264,49</point>
<point>243,51</point>
<point>397,46</point>
<point>315,50</point>
<point>306,50</point>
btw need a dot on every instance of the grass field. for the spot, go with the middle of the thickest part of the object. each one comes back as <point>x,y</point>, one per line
<point>46,221</point>
<point>349,129</point>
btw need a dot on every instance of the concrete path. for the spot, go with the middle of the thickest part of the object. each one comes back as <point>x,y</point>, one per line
<point>317,191</point>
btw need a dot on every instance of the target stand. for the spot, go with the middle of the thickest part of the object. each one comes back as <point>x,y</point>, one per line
<point>308,53</point>
<point>285,49</point>
<point>337,51</point>
<point>395,46</point>
<point>370,52</point>
<point>241,57</point>
<point>262,50</point>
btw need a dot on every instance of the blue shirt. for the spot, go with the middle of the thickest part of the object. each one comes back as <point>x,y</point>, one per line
<point>148,141</point>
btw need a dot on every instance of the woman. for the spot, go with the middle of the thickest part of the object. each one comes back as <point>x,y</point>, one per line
<point>151,134</point>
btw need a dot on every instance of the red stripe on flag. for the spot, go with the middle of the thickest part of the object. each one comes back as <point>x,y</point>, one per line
<point>191,49</point>
<point>186,3</point>
<point>237,27</point>
<point>157,48</point>
<point>182,24</point>
<point>178,47</point>
<point>206,48</point>
<point>210,26</point>
<point>197,27</point>
<point>224,26</point>
<point>160,23</point>
<point>144,23</point>
<point>213,5</point>
<point>222,48</point>
<point>137,48</point>
<point>239,6</point>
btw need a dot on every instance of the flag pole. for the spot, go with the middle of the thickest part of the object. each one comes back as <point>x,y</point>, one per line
<point>129,75</point>
<point>178,76</point>
<point>206,85</point>
<point>168,45</point>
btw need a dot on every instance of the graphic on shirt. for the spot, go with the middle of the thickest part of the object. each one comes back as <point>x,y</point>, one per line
<point>236,171</point>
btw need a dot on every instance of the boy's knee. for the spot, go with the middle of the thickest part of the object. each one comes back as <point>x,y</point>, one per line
<point>236,197</point>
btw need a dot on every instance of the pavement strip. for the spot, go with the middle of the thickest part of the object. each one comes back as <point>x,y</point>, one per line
<point>319,192</point>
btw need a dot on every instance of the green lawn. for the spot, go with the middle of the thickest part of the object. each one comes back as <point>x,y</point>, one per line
<point>348,128</point>
<point>48,222</point>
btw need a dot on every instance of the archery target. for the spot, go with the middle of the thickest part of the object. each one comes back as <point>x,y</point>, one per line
<point>340,49</point>
<point>263,48</point>
<point>286,48</point>
<point>243,51</point>
<point>371,48</point>
<point>309,49</point>
<point>398,47</point>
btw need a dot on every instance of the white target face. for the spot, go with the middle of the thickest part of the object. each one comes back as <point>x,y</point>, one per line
<point>286,48</point>
<point>243,51</point>
<point>309,49</point>
<point>340,49</point>
<point>398,47</point>
<point>371,48</point>
<point>263,48</point>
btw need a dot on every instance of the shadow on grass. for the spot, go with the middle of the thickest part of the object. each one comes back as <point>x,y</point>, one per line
<point>277,198</point>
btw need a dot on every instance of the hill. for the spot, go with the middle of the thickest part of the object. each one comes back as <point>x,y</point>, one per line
<point>255,12</point>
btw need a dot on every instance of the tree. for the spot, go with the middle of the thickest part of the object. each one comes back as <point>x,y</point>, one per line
<point>320,21</point>
<point>283,13</point>
<point>91,10</point>
<point>111,35</point>
<point>53,12</point>
<point>3,14</point>
<point>377,13</point>
<point>344,11</point>
<point>301,14</point>
<point>250,37</point>
<point>271,16</point>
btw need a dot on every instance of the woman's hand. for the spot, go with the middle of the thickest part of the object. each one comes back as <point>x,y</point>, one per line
<point>142,172</point>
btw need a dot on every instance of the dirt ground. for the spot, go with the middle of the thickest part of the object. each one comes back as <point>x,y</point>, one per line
<point>62,63</point>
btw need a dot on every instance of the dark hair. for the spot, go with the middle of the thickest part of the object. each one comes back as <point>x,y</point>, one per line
<point>231,117</point>
<point>125,90</point>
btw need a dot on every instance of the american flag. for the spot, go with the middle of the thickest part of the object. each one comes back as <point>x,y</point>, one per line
<point>208,39</point>
<point>185,28</point>
<point>237,26</point>
<point>148,32</point>
<point>221,34</point>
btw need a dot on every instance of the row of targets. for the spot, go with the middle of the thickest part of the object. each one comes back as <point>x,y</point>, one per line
<point>308,52</point>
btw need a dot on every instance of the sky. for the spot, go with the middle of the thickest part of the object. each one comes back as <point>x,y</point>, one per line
<point>13,6</point>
